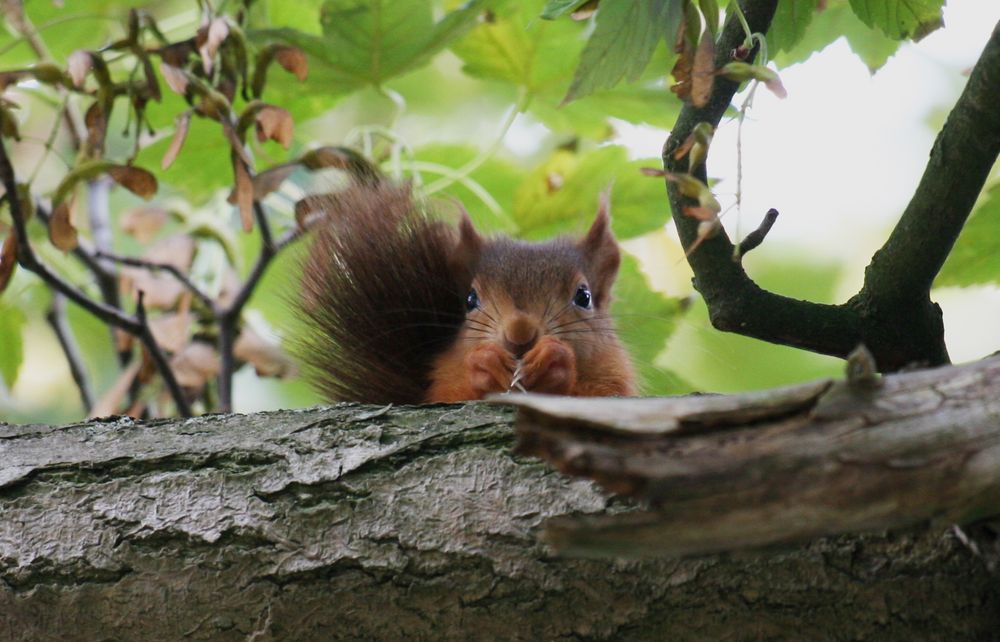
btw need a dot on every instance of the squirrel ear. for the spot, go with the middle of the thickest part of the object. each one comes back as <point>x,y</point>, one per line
<point>602,254</point>
<point>467,249</point>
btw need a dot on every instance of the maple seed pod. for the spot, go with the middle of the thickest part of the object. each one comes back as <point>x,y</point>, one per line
<point>737,71</point>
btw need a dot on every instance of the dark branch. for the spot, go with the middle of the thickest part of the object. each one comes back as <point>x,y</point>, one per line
<point>959,165</point>
<point>56,316</point>
<point>110,315</point>
<point>755,238</point>
<point>156,267</point>
<point>162,365</point>
<point>897,286</point>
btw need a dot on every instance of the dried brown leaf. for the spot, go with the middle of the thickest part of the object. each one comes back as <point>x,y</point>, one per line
<point>112,400</point>
<point>244,193</point>
<point>195,365</point>
<point>274,123</point>
<point>171,330</point>
<point>311,208</point>
<point>176,250</point>
<point>78,65</point>
<point>176,79</point>
<point>293,61</point>
<point>703,70</point>
<point>209,39</point>
<point>97,126</point>
<point>135,179</point>
<point>269,180</point>
<point>143,222</point>
<point>62,231</point>
<point>268,359</point>
<point>180,135</point>
<point>8,260</point>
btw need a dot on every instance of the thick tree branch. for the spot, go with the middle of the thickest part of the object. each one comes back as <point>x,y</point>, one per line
<point>959,164</point>
<point>354,522</point>
<point>778,466</point>
<point>893,315</point>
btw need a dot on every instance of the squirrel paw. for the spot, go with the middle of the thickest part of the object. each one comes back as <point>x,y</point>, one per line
<point>550,367</point>
<point>490,368</point>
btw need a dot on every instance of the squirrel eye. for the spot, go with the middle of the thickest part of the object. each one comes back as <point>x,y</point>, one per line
<point>471,301</point>
<point>582,298</point>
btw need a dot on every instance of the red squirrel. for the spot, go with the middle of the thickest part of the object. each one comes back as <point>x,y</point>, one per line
<point>403,308</point>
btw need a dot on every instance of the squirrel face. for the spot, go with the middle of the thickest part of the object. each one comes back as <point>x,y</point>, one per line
<point>536,317</point>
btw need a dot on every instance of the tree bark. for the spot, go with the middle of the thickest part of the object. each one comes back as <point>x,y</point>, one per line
<point>355,522</point>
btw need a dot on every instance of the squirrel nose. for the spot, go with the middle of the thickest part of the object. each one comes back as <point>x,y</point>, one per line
<point>520,335</point>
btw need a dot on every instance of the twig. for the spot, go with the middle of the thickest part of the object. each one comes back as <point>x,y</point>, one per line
<point>110,315</point>
<point>149,342</point>
<point>229,318</point>
<point>755,238</point>
<point>165,267</point>
<point>56,316</point>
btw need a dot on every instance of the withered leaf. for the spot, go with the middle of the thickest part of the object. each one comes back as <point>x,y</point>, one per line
<point>78,65</point>
<point>311,208</point>
<point>182,124</point>
<point>209,40</point>
<point>8,260</point>
<point>176,79</point>
<point>703,70</point>
<point>244,192</point>
<point>195,365</point>
<point>135,179</point>
<point>293,61</point>
<point>62,232</point>
<point>171,330</point>
<point>109,403</point>
<point>142,223</point>
<point>97,126</point>
<point>274,123</point>
<point>271,179</point>
<point>268,359</point>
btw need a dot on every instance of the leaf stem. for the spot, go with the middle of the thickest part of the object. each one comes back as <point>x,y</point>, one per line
<point>524,97</point>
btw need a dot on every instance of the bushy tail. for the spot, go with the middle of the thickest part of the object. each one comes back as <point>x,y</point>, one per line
<point>379,297</point>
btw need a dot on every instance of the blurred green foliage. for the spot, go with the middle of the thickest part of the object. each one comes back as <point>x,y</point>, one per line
<point>468,100</point>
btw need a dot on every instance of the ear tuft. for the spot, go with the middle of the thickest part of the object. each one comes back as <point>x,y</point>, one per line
<point>601,252</point>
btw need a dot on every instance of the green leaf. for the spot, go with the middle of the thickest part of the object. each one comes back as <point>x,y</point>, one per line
<point>11,322</point>
<point>872,46</point>
<point>490,197</point>
<point>561,195</point>
<point>555,8</point>
<point>791,19</point>
<point>975,259</point>
<point>623,43</point>
<point>645,319</point>
<point>374,40</point>
<point>517,48</point>
<point>900,19</point>
<point>203,165</point>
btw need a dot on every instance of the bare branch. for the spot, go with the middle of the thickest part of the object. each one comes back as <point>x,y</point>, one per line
<point>56,316</point>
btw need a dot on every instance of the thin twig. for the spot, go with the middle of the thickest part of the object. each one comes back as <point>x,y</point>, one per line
<point>229,318</point>
<point>110,315</point>
<point>156,267</point>
<point>162,365</point>
<point>755,238</point>
<point>56,316</point>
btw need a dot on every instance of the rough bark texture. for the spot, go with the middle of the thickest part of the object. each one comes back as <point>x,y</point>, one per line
<point>355,522</point>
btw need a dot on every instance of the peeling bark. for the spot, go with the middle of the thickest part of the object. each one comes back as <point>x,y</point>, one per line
<point>357,522</point>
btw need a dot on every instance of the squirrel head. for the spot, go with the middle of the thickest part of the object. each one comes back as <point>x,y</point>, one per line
<point>519,292</point>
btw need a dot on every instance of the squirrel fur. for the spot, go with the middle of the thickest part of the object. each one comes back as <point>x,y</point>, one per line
<point>403,308</point>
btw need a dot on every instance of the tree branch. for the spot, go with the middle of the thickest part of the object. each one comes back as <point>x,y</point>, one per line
<point>893,314</point>
<point>960,162</point>
<point>729,472</point>
<point>56,316</point>
<point>110,315</point>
